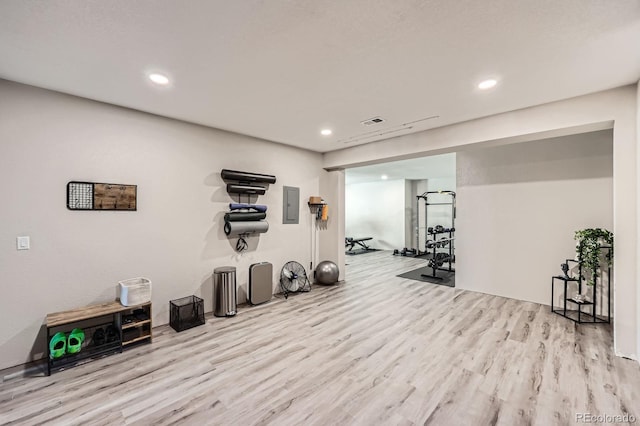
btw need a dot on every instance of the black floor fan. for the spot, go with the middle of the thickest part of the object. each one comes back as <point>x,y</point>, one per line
<point>293,278</point>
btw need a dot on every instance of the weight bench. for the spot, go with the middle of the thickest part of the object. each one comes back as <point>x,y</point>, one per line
<point>351,243</point>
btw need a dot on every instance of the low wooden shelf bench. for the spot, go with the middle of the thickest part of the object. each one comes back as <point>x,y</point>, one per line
<point>128,325</point>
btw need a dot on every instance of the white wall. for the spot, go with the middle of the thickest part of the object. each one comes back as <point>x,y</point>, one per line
<point>409,215</point>
<point>637,239</point>
<point>330,235</point>
<point>419,238</point>
<point>616,108</point>
<point>377,210</point>
<point>175,238</point>
<point>519,206</point>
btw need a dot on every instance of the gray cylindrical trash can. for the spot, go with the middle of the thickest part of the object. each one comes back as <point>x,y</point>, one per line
<point>224,291</point>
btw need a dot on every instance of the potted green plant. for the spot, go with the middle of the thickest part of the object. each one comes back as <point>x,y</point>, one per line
<point>588,244</point>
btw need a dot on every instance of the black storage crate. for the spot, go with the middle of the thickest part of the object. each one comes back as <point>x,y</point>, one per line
<point>186,313</point>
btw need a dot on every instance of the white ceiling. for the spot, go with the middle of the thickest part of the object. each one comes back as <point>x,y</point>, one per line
<point>436,166</point>
<point>283,70</point>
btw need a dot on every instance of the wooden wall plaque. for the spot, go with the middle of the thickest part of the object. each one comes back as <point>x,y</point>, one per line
<point>101,196</point>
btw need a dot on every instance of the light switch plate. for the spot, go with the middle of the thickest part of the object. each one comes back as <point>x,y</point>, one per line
<point>23,243</point>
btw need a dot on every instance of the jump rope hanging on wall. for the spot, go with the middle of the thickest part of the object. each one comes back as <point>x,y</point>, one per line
<point>245,219</point>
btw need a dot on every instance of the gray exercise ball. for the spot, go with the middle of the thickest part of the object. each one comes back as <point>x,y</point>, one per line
<point>327,272</point>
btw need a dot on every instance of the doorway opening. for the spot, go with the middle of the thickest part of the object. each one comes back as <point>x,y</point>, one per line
<point>406,209</point>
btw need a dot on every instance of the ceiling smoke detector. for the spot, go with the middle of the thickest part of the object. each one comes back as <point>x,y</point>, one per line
<point>371,121</point>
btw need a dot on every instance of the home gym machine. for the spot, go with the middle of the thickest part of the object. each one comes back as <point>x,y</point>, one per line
<point>440,240</point>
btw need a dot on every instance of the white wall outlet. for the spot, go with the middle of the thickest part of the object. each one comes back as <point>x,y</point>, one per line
<point>23,243</point>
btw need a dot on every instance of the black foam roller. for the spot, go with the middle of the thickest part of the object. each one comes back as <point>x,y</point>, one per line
<point>246,176</point>
<point>245,189</point>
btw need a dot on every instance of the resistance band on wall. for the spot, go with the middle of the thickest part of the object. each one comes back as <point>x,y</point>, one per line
<point>241,244</point>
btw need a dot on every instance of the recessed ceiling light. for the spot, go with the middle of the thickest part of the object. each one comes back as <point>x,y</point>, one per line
<point>487,84</point>
<point>384,177</point>
<point>159,79</point>
<point>325,132</point>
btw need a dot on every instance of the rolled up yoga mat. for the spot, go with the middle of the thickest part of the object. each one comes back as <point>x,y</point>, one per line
<point>236,188</point>
<point>240,206</point>
<point>241,216</point>
<point>58,345</point>
<point>237,228</point>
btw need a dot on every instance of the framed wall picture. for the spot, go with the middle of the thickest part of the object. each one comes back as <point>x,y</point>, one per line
<point>101,196</point>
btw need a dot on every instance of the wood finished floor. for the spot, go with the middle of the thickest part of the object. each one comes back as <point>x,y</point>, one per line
<point>376,349</point>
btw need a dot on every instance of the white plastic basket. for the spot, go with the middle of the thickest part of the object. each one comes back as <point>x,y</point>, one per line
<point>134,291</point>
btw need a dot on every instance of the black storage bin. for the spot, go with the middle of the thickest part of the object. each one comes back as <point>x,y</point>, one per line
<point>186,313</point>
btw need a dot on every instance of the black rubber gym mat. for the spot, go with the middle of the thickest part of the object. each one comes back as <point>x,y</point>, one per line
<point>360,251</point>
<point>448,278</point>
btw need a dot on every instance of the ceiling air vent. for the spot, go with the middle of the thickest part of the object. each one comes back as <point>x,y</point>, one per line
<point>371,121</point>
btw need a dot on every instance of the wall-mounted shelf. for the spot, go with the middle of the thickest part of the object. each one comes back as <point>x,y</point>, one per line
<point>242,225</point>
<point>316,206</point>
<point>239,182</point>
<point>316,209</point>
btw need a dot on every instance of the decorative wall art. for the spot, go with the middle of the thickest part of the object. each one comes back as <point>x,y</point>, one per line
<point>101,196</point>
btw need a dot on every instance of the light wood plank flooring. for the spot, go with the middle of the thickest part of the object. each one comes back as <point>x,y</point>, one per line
<point>376,349</point>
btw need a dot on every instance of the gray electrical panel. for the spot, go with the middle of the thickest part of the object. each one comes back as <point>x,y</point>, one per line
<point>290,204</point>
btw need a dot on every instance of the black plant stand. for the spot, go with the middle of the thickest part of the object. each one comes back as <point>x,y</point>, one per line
<point>578,315</point>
